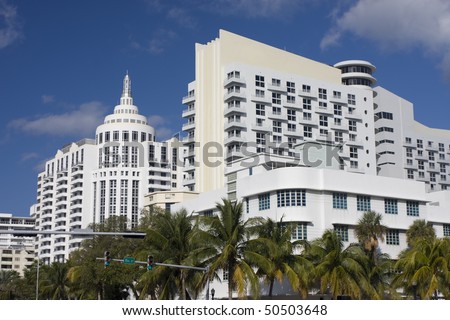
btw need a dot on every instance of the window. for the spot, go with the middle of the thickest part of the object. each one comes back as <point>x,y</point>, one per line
<point>276,110</point>
<point>292,127</point>
<point>342,232</point>
<point>322,93</point>
<point>290,87</point>
<point>392,237</point>
<point>351,99</point>
<point>408,140</point>
<point>307,132</point>
<point>323,121</point>
<point>134,136</point>
<point>384,115</point>
<point>264,201</point>
<point>354,152</point>
<point>410,174</point>
<point>276,82</point>
<point>337,110</point>
<point>260,110</point>
<point>339,200</point>
<point>336,94</point>
<point>362,203</point>
<point>419,143</point>
<point>115,135</point>
<point>441,147</point>
<point>276,98</point>
<point>225,275</point>
<point>291,198</point>
<point>291,115</point>
<point>338,137</point>
<point>409,152</point>
<point>337,121</point>
<point>351,125</point>
<point>107,136</point>
<point>446,230</point>
<point>322,105</point>
<point>259,81</point>
<point>307,104</point>
<point>125,136</point>
<point>430,156</point>
<point>412,208</point>
<point>390,206</point>
<point>306,88</point>
<point>290,99</point>
<point>277,126</point>
<point>291,142</point>
<point>299,232</point>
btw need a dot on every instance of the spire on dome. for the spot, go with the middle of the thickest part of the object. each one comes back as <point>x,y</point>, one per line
<point>126,98</point>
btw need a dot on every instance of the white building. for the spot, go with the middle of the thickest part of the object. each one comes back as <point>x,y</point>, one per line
<point>16,252</point>
<point>275,113</point>
<point>93,179</point>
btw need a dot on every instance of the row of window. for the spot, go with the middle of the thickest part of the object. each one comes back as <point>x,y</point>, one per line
<point>115,136</point>
<point>363,203</point>
<point>285,198</point>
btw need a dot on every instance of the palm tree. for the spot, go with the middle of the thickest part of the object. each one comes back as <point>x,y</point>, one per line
<point>369,230</point>
<point>420,229</point>
<point>55,283</point>
<point>340,271</point>
<point>8,284</point>
<point>229,240</point>
<point>171,241</point>
<point>425,269</point>
<point>275,244</point>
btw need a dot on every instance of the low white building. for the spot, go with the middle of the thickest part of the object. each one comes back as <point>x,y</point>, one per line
<point>16,253</point>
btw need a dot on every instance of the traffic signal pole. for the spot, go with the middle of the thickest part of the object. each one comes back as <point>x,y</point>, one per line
<point>206,270</point>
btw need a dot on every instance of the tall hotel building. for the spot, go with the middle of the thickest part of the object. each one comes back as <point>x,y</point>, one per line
<point>92,179</point>
<point>270,110</point>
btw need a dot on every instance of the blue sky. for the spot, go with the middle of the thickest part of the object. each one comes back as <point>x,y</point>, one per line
<point>62,62</point>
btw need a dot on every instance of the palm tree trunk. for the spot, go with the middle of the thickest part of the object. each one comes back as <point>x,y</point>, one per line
<point>183,286</point>
<point>230,284</point>
<point>271,287</point>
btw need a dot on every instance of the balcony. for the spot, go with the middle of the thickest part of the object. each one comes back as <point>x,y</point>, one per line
<point>277,116</point>
<point>355,169</point>
<point>355,143</point>
<point>187,140</point>
<point>234,154</point>
<point>411,166</point>
<point>189,168</point>
<point>293,133</point>
<point>292,104</point>
<point>188,112</point>
<point>234,124</point>
<point>188,126</point>
<point>338,99</point>
<point>261,98</point>
<point>276,87</point>
<point>339,127</point>
<point>233,79</point>
<point>312,121</point>
<point>236,94</point>
<point>236,139</point>
<point>307,94</point>
<point>231,110</point>
<point>188,181</point>
<point>261,127</point>
<point>323,110</point>
<point>353,115</point>
<point>188,99</point>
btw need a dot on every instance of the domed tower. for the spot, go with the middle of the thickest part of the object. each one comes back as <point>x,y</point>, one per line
<point>121,178</point>
<point>357,73</point>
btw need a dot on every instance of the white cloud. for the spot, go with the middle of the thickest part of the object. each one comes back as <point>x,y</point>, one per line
<point>161,38</point>
<point>28,156</point>
<point>10,26</point>
<point>182,17</point>
<point>80,122</point>
<point>255,8</point>
<point>46,98</point>
<point>397,25</point>
<point>163,132</point>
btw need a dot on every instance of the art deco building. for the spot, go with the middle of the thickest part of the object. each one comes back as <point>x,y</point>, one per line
<point>92,179</point>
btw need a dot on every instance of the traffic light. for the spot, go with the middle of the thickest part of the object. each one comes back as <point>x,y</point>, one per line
<point>150,262</point>
<point>107,259</point>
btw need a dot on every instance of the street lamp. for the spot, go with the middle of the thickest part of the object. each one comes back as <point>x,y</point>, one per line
<point>213,292</point>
